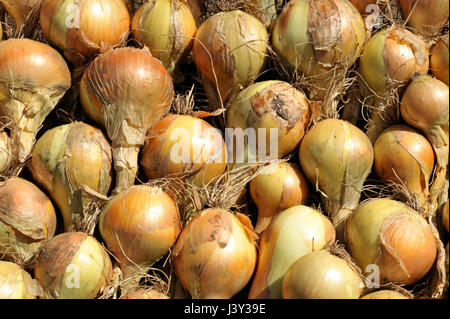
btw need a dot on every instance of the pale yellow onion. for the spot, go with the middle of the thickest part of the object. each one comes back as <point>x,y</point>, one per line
<point>278,187</point>
<point>315,37</point>
<point>260,108</point>
<point>215,254</point>
<point>6,153</point>
<point>139,226</point>
<point>33,79</point>
<point>385,294</point>
<point>16,283</point>
<point>19,9</point>
<point>73,265</point>
<point>392,236</point>
<point>321,275</point>
<point>264,10</point>
<point>439,59</point>
<point>66,159</point>
<point>230,51</point>
<point>80,28</point>
<point>337,157</point>
<point>292,234</point>
<point>27,219</point>
<point>127,91</point>
<point>167,28</point>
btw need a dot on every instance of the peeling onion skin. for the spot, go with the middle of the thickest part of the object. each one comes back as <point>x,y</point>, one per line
<point>428,17</point>
<point>33,79</point>
<point>264,10</point>
<point>80,30</point>
<point>405,157</point>
<point>439,59</point>
<point>27,218</point>
<point>215,255</point>
<point>321,275</point>
<point>127,91</point>
<point>19,10</point>
<point>385,294</point>
<point>394,237</point>
<point>16,283</point>
<point>167,28</point>
<point>73,265</point>
<point>139,226</point>
<point>6,153</point>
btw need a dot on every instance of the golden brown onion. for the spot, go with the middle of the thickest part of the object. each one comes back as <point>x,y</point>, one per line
<point>439,59</point>
<point>392,236</point>
<point>215,255</point>
<point>33,78</point>
<point>16,283</point>
<point>19,9</point>
<point>82,27</point>
<point>445,216</point>
<point>127,91</point>
<point>197,8</point>
<point>363,5</point>
<point>73,266</point>
<point>385,294</point>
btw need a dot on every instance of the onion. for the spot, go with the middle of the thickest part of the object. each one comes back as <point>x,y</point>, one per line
<point>16,283</point>
<point>215,255</point>
<point>427,17</point>
<point>145,294</point>
<point>19,10</point>
<point>265,106</point>
<point>6,155</point>
<point>445,216</point>
<point>385,294</point>
<point>321,275</point>
<point>230,51</point>
<point>197,8</point>
<point>316,37</point>
<point>27,219</point>
<point>337,157</point>
<point>167,28</point>
<point>402,155</point>
<point>80,28</point>
<point>277,188</point>
<point>127,91</point>
<point>139,226</point>
<point>439,59</point>
<point>33,78</point>
<point>394,237</point>
<point>181,143</point>
<point>66,159</point>
<point>292,234</point>
<point>363,5</point>
<point>73,266</point>
<point>264,10</point>
<point>425,106</point>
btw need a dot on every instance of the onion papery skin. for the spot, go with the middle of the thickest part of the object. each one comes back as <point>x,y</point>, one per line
<point>73,265</point>
<point>337,157</point>
<point>6,153</point>
<point>392,56</point>
<point>139,226</point>
<point>439,59</point>
<point>282,186</point>
<point>445,216</point>
<point>264,106</point>
<point>167,28</point>
<point>321,275</point>
<point>81,28</point>
<point>215,255</point>
<point>264,10</point>
<point>181,144</point>
<point>315,37</point>
<point>292,234</point>
<point>197,8</point>
<point>127,91</point>
<point>404,156</point>
<point>27,218</point>
<point>363,5</point>
<point>230,51</point>
<point>393,236</point>
<point>145,294</point>
<point>33,79</point>
<point>426,17</point>
<point>16,283</point>
<point>385,294</point>
<point>66,159</point>
<point>19,10</point>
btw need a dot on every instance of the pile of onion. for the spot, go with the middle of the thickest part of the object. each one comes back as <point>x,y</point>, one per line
<point>167,28</point>
<point>337,157</point>
<point>127,91</point>
<point>33,79</point>
<point>184,144</point>
<point>139,226</point>
<point>230,51</point>
<point>394,237</point>
<point>16,283</point>
<point>81,28</point>
<point>439,59</point>
<point>68,158</point>
<point>215,255</point>
<point>292,234</point>
<point>277,188</point>
<point>6,155</point>
<point>274,114</point>
<point>73,265</point>
<point>27,219</point>
<point>321,275</point>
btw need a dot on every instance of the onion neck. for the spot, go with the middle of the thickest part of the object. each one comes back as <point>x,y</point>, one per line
<point>339,222</point>
<point>126,166</point>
